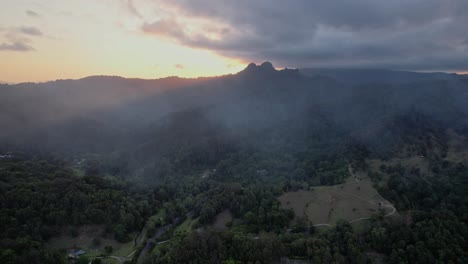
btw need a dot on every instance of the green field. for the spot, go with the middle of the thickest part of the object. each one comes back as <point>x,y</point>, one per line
<point>186,226</point>
<point>327,204</point>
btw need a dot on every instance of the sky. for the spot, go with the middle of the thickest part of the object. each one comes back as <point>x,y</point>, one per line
<point>62,39</point>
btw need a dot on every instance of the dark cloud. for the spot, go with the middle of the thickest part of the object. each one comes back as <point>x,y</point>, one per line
<point>400,34</point>
<point>32,13</point>
<point>32,31</point>
<point>15,46</point>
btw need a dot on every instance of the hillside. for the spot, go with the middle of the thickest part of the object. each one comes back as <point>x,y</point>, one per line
<point>321,165</point>
<point>247,111</point>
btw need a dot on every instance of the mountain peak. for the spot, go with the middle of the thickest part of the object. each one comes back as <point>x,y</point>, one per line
<point>250,67</point>
<point>265,70</point>
<point>267,66</point>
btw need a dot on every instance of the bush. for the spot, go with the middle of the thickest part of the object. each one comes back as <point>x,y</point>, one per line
<point>108,249</point>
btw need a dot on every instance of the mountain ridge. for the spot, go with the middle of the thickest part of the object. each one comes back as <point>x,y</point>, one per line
<point>265,67</point>
<point>289,103</point>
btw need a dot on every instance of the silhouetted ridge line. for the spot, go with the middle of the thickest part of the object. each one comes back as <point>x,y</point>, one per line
<point>264,69</point>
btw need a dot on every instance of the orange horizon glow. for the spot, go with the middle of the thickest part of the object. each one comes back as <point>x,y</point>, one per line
<point>77,39</point>
<point>49,40</point>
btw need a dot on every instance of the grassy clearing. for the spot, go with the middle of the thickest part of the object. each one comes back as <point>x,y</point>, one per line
<point>186,226</point>
<point>328,204</point>
<point>124,249</point>
<point>84,240</point>
<point>160,215</point>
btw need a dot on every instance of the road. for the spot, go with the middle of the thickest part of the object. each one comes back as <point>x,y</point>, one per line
<point>321,225</point>
<point>150,242</point>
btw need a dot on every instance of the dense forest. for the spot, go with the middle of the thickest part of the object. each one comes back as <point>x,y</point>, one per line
<point>41,196</point>
<point>182,152</point>
<point>432,230</point>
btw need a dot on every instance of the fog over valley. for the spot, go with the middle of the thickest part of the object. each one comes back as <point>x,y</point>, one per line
<point>231,132</point>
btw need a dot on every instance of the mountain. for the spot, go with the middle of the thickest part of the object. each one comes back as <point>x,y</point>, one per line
<point>366,76</point>
<point>297,109</point>
<point>247,165</point>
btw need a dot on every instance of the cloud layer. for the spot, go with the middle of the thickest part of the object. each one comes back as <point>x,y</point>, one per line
<point>399,34</point>
<point>18,38</point>
<point>32,13</point>
<point>32,31</point>
<point>15,46</point>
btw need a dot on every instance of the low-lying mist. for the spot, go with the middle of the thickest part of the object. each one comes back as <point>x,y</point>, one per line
<point>156,126</point>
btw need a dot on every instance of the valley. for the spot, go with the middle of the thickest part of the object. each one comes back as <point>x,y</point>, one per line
<point>234,132</point>
<point>261,166</point>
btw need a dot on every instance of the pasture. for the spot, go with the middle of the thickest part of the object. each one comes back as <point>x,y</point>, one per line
<point>325,205</point>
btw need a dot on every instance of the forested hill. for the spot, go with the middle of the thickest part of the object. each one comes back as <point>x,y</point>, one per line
<point>363,76</point>
<point>302,113</point>
<point>156,166</point>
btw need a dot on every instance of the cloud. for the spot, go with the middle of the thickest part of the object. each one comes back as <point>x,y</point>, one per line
<point>179,66</point>
<point>19,38</point>
<point>32,31</point>
<point>132,9</point>
<point>15,46</point>
<point>32,13</point>
<point>166,27</point>
<point>399,34</point>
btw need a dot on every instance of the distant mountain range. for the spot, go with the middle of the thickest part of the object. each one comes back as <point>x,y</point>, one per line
<point>323,109</point>
<point>361,76</point>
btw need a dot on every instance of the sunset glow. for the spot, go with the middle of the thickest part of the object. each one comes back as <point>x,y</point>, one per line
<point>62,39</point>
<point>74,39</point>
<point>233,131</point>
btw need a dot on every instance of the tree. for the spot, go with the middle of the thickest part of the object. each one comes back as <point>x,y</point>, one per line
<point>82,260</point>
<point>96,261</point>
<point>108,249</point>
<point>121,233</point>
<point>7,256</point>
<point>96,242</point>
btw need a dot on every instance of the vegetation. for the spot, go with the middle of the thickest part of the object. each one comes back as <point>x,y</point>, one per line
<point>272,148</point>
<point>41,198</point>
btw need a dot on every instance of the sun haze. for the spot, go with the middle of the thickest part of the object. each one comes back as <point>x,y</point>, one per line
<point>54,39</point>
<point>41,41</point>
